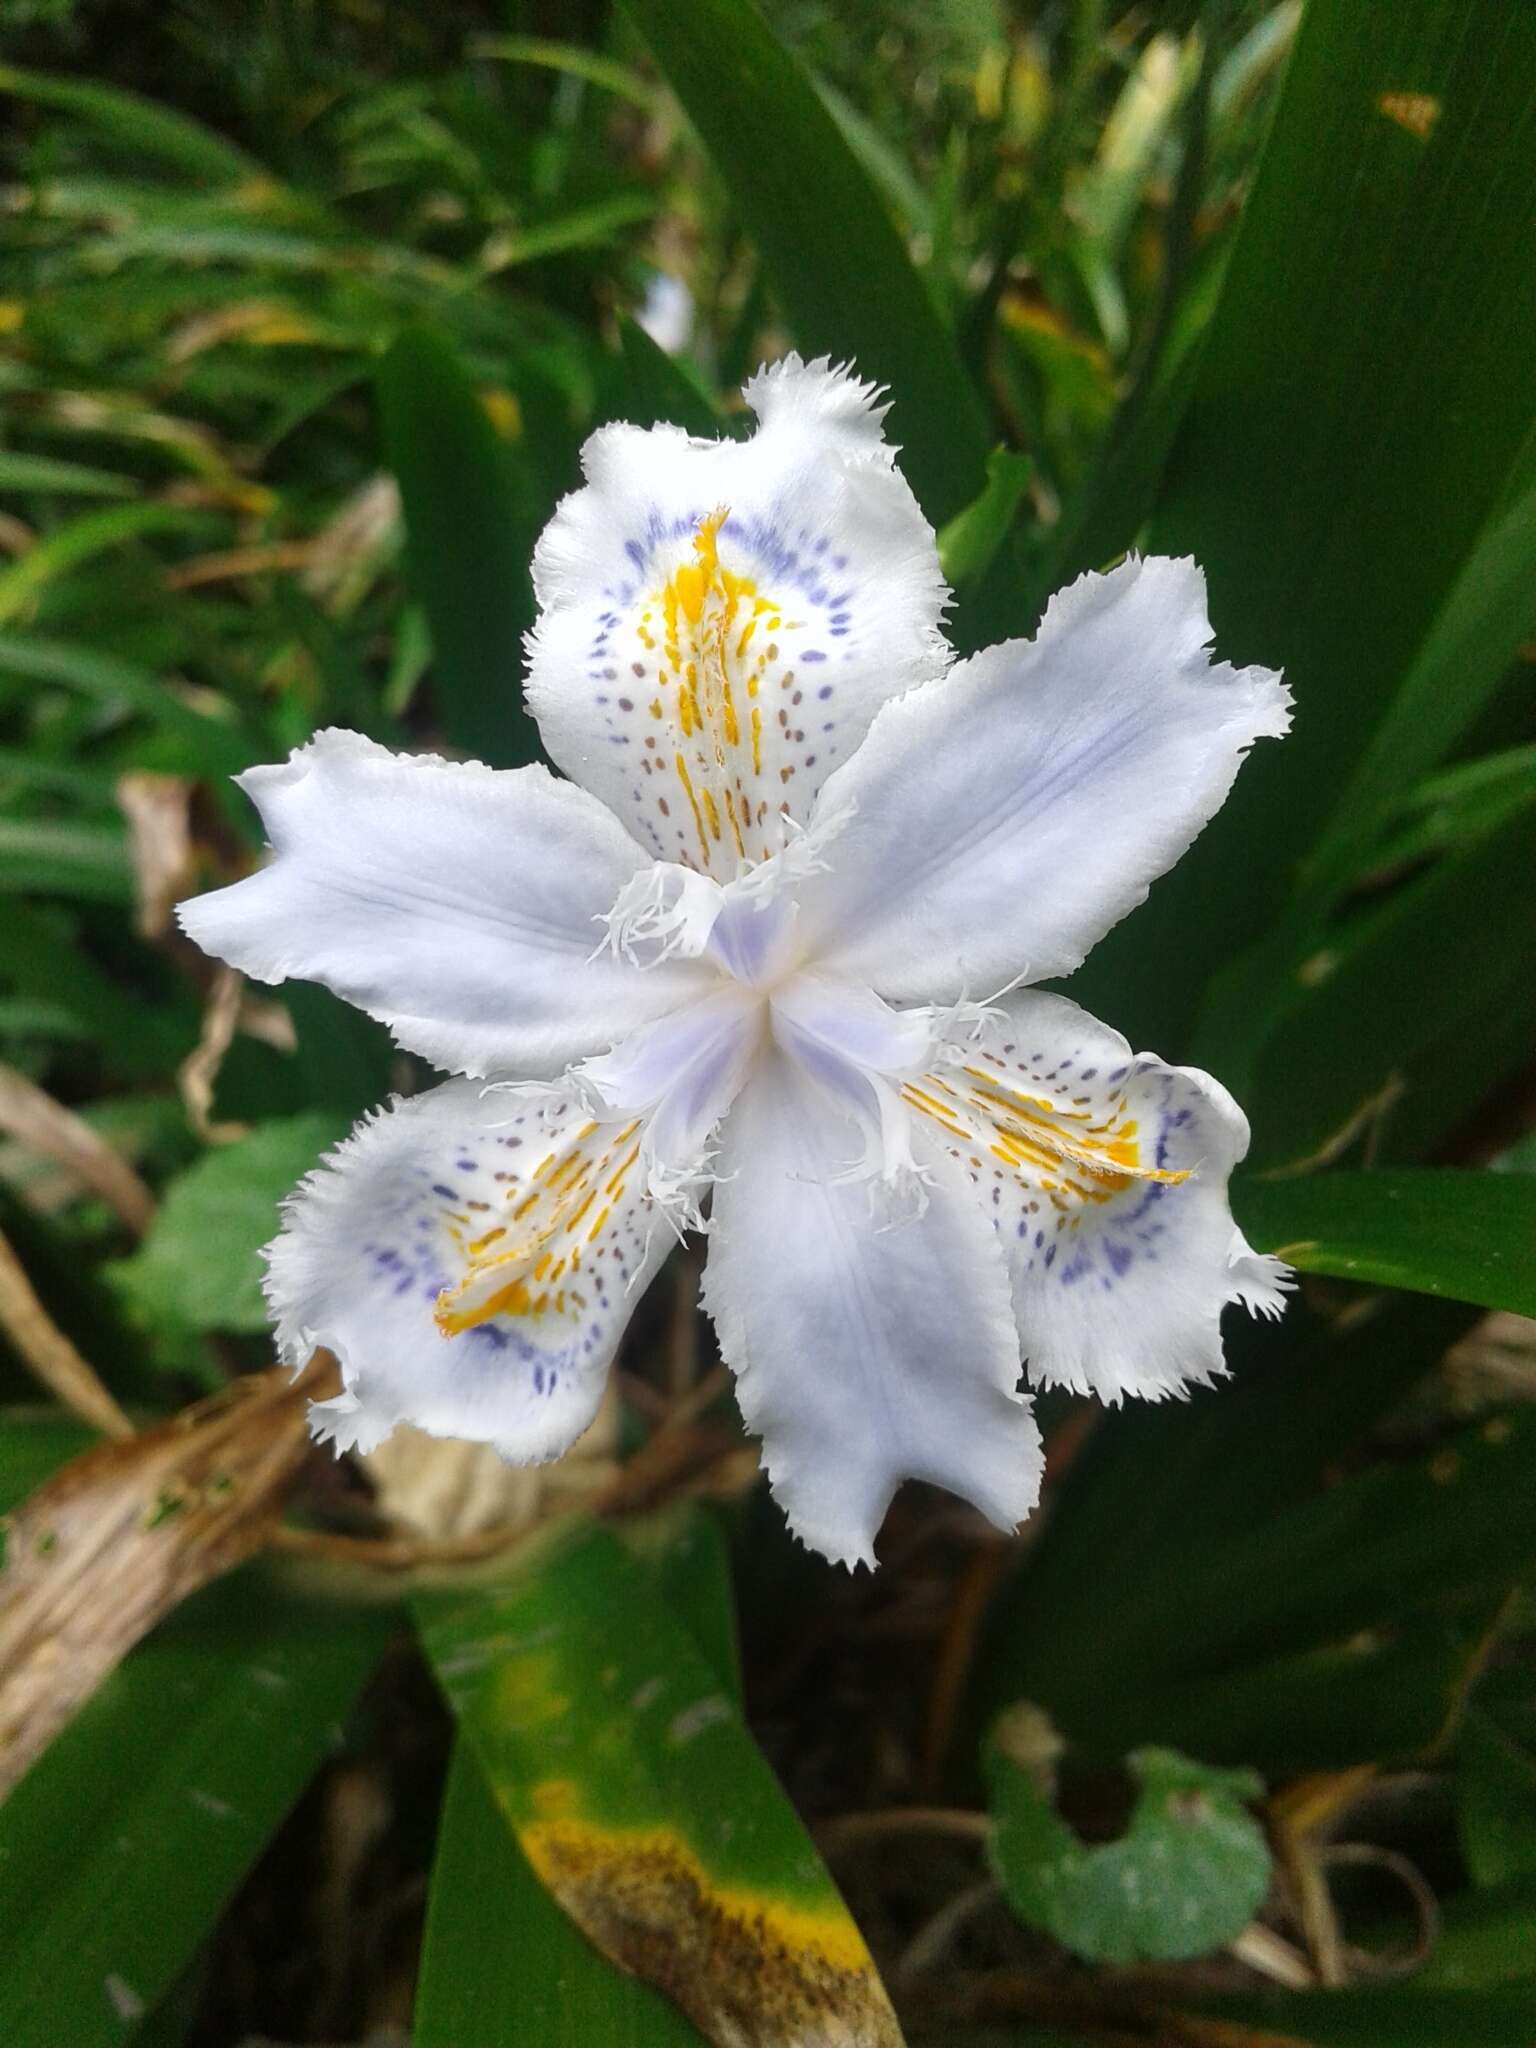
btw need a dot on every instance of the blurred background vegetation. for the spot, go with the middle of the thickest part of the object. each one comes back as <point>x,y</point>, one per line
<point>306,307</point>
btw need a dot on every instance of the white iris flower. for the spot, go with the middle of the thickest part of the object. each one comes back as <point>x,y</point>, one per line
<point>743,946</point>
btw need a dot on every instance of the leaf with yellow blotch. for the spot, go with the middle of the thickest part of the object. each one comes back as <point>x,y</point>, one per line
<point>643,1803</point>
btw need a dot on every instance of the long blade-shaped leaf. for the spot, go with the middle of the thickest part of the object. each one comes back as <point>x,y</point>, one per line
<point>120,1847</point>
<point>836,261</point>
<point>1362,1034</point>
<point>470,534</point>
<point>500,1959</point>
<point>1471,1236</point>
<point>1359,414</point>
<point>642,1802</point>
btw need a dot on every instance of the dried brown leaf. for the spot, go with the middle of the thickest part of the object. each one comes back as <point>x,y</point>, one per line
<point>121,1534</point>
<point>158,810</point>
<point>49,1353</point>
<point>31,1116</point>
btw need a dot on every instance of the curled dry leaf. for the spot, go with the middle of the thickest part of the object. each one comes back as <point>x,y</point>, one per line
<point>199,1071</point>
<point>120,1535</point>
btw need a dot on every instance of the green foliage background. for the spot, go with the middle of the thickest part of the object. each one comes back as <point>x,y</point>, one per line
<point>305,311</point>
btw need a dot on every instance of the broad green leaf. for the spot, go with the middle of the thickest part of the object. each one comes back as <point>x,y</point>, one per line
<point>129,121</point>
<point>970,540</point>
<point>22,472</point>
<point>1373,1009</point>
<point>682,1553</point>
<point>470,526</point>
<point>66,547</point>
<point>1437,1230</point>
<point>502,1962</point>
<point>1496,1805</point>
<point>122,1844</point>
<point>500,1957</point>
<point>847,283</point>
<point>1350,435</point>
<point>1187,1875</point>
<point>199,1266</point>
<point>640,1799</point>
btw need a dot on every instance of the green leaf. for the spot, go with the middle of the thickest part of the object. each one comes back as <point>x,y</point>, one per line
<point>1383,1695</point>
<point>502,1962</point>
<point>1485,1939</point>
<point>66,547</point>
<point>658,390</point>
<point>639,1797</point>
<point>65,857</point>
<point>131,122</point>
<point>1378,1012</point>
<point>1458,805</point>
<point>470,523</point>
<point>1463,657</point>
<point>199,1266</point>
<point>22,472</point>
<point>35,1442</point>
<point>45,967</point>
<point>574,61</point>
<point>1391,2016</point>
<point>582,228</point>
<point>108,680</point>
<point>972,538</point>
<point>344,1057</point>
<point>500,1958</point>
<point>1145,1619</point>
<point>1186,1877</point>
<point>122,1844</point>
<point>1471,1236</point>
<point>1495,1805</point>
<point>835,259</point>
<point>1350,435</point>
<point>1398,1540</point>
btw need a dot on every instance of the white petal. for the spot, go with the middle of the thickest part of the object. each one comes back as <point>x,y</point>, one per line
<point>721,619</point>
<point>510,1220</point>
<point>680,1075</point>
<point>863,1356</point>
<point>856,1050</point>
<point>1105,1174</point>
<point>1008,815</point>
<point>459,904</point>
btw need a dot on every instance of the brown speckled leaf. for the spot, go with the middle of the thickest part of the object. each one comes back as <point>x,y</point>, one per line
<point>120,1534</point>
